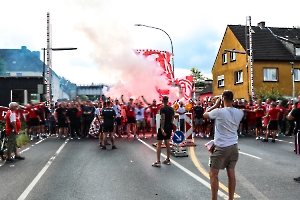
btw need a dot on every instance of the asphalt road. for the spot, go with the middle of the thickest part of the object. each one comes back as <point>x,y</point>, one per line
<point>79,169</point>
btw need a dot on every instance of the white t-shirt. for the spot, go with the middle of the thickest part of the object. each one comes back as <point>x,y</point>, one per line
<point>12,117</point>
<point>227,122</point>
<point>139,113</point>
<point>97,111</point>
<point>117,109</point>
<point>181,110</point>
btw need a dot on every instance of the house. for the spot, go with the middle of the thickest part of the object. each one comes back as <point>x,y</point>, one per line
<point>276,51</point>
<point>23,64</point>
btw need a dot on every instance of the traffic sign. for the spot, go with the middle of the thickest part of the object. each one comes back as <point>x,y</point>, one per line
<point>178,137</point>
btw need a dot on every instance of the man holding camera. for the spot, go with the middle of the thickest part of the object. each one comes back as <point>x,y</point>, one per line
<point>225,153</point>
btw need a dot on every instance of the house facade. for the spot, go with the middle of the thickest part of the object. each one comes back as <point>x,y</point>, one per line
<point>275,61</point>
<point>25,64</point>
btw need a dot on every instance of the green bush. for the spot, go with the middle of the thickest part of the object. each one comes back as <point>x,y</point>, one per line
<point>22,140</point>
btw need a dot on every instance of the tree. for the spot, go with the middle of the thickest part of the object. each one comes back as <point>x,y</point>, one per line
<point>198,77</point>
<point>2,66</point>
<point>84,98</point>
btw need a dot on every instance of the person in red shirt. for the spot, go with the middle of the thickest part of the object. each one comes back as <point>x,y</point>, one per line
<point>251,118</point>
<point>291,122</point>
<point>259,111</point>
<point>34,120</point>
<point>273,113</point>
<point>154,108</point>
<point>130,114</point>
<point>281,119</point>
<point>12,128</point>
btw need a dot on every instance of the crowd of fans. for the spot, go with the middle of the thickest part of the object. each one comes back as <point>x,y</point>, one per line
<point>82,119</point>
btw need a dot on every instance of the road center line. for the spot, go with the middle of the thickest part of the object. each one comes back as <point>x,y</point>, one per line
<point>41,173</point>
<point>205,183</point>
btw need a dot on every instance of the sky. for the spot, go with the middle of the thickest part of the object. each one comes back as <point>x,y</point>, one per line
<point>104,34</point>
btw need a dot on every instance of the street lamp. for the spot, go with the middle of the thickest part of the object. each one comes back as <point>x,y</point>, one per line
<point>49,81</point>
<point>170,41</point>
<point>293,80</point>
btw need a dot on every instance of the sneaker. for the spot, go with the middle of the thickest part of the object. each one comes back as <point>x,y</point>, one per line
<point>136,137</point>
<point>193,135</point>
<point>152,135</point>
<point>156,164</point>
<point>265,140</point>
<point>207,135</point>
<point>114,147</point>
<point>100,144</point>
<point>115,135</point>
<point>257,138</point>
<point>71,138</point>
<point>241,135</point>
<point>78,138</point>
<point>120,136</point>
<point>167,162</point>
<point>103,147</point>
<point>128,136</point>
<point>31,137</point>
<point>201,135</point>
<point>19,158</point>
<point>145,137</point>
<point>273,141</point>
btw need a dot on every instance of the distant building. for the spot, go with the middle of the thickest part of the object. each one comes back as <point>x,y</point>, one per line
<point>23,63</point>
<point>276,51</point>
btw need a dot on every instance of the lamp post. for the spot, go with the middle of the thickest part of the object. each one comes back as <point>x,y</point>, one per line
<point>49,81</point>
<point>170,41</point>
<point>293,80</point>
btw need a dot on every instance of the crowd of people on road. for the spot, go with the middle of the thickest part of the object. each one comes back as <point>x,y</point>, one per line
<point>113,119</point>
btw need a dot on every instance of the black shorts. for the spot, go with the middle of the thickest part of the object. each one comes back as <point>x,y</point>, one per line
<point>118,121</point>
<point>28,124</point>
<point>160,136</point>
<point>273,125</point>
<point>108,128</point>
<point>42,122</point>
<point>62,123</point>
<point>34,122</point>
<point>131,120</point>
<point>258,122</point>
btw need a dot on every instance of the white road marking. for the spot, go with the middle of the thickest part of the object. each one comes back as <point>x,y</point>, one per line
<point>205,183</point>
<point>250,155</point>
<point>41,173</point>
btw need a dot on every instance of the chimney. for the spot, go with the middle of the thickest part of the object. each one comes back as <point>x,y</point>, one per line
<point>23,48</point>
<point>262,25</point>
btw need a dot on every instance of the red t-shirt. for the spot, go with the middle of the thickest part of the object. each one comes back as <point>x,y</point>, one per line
<point>260,112</point>
<point>8,127</point>
<point>250,115</point>
<point>154,109</point>
<point>130,111</point>
<point>32,112</point>
<point>273,112</point>
<point>283,111</point>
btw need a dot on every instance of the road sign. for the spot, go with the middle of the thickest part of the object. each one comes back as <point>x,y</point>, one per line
<point>178,137</point>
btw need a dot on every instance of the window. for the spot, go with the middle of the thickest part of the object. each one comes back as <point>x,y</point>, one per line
<point>221,81</point>
<point>238,77</point>
<point>224,58</point>
<point>270,74</point>
<point>232,56</point>
<point>19,74</point>
<point>296,74</point>
<point>297,51</point>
